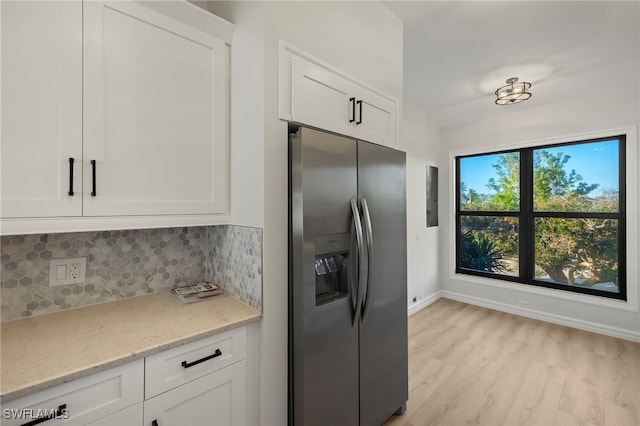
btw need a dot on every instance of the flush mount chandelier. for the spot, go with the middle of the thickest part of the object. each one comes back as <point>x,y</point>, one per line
<point>515,91</point>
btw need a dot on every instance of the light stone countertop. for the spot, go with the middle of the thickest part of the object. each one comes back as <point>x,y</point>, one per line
<point>47,350</point>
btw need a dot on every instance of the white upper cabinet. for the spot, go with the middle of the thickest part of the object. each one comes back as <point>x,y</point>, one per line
<point>314,93</point>
<point>41,108</point>
<point>320,97</point>
<point>155,114</point>
<point>376,118</point>
<point>136,93</point>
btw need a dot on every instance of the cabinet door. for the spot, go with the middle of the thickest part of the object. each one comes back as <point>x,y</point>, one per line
<point>155,119</point>
<point>320,98</point>
<point>377,119</point>
<point>215,399</point>
<point>41,108</point>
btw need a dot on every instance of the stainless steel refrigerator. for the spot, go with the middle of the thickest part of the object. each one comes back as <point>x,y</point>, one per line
<point>347,281</point>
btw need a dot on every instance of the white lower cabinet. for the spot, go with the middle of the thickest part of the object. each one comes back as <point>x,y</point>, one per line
<point>81,401</point>
<point>199,383</point>
<point>215,399</point>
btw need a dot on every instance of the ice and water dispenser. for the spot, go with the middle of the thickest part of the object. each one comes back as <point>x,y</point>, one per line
<point>332,266</point>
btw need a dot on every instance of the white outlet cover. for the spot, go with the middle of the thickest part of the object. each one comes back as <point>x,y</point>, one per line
<point>76,271</point>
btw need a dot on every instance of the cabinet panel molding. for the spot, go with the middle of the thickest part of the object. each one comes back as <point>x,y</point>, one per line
<point>128,416</point>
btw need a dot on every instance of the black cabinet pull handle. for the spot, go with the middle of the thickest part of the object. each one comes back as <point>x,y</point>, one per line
<point>59,412</point>
<point>216,354</point>
<point>360,118</point>
<point>154,422</point>
<point>93,176</point>
<point>71,161</point>
<point>353,110</point>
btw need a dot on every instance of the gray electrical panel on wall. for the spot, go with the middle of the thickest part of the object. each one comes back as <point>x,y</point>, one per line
<point>432,196</point>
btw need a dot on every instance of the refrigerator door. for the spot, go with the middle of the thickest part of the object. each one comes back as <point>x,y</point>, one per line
<point>323,339</point>
<point>383,327</point>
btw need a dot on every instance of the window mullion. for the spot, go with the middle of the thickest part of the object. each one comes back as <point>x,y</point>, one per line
<point>458,219</point>
<point>526,226</point>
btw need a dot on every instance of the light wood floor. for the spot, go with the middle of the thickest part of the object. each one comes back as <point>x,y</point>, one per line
<point>471,365</point>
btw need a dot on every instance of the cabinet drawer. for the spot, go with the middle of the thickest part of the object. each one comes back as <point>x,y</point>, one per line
<point>80,401</point>
<point>183,364</point>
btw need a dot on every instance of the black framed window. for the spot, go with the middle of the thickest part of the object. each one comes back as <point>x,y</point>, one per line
<point>550,216</point>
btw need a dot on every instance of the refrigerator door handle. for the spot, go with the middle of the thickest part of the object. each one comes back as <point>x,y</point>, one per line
<point>360,256</point>
<point>369,235</point>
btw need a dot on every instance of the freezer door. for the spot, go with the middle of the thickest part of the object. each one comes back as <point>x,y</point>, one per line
<point>383,328</point>
<point>323,339</point>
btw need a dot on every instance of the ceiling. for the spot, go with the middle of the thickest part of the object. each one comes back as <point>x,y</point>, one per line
<point>457,53</point>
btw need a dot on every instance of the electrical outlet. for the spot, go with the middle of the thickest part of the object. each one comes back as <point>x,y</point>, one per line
<point>523,303</point>
<point>74,271</point>
<point>67,271</point>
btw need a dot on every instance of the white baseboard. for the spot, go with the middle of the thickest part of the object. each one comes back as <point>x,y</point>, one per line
<point>418,306</point>
<point>621,333</point>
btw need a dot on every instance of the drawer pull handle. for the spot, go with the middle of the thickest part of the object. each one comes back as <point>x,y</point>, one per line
<point>59,412</point>
<point>216,354</point>
<point>353,110</point>
<point>93,178</point>
<point>71,161</point>
<point>154,422</point>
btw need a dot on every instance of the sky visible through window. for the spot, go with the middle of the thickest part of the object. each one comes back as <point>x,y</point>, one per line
<point>596,162</point>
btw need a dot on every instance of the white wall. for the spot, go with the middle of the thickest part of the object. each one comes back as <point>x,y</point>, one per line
<point>420,140</point>
<point>617,107</point>
<point>362,38</point>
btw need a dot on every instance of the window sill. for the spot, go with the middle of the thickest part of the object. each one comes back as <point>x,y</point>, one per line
<point>629,305</point>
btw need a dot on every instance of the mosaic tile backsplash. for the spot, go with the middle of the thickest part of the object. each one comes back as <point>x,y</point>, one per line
<point>235,262</point>
<point>120,264</point>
